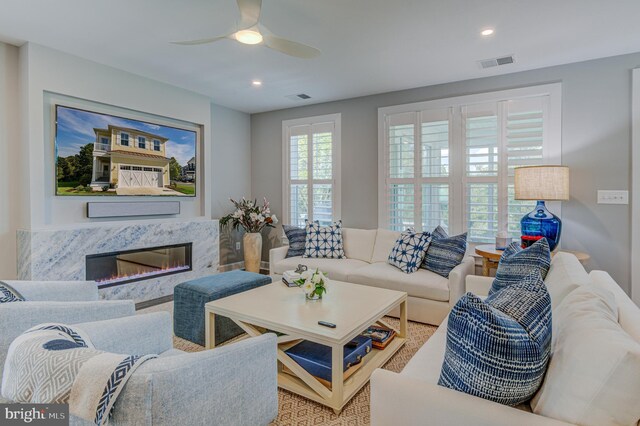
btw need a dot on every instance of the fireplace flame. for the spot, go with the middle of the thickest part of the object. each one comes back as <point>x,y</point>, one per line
<point>142,274</point>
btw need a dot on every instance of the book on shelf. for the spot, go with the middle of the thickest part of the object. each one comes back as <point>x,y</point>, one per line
<point>380,336</point>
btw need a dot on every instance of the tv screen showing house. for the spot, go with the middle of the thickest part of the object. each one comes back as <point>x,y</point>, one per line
<point>105,155</point>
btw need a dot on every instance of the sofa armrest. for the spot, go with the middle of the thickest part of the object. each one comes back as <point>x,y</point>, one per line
<point>478,284</point>
<point>139,334</point>
<point>235,384</point>
<point>17,317</point>
<point>457,279</point>
<point>414,401</point>
<point>56,291</point>
<point>276,255</point>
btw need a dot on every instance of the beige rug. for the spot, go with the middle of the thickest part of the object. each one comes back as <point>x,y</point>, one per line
<point>298,411</point>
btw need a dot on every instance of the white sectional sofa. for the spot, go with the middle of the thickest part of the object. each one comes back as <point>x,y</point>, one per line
<point>431,296</point>
<point>415,395</point>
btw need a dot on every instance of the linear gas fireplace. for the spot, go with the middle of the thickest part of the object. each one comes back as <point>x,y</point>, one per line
<point>110,269</point>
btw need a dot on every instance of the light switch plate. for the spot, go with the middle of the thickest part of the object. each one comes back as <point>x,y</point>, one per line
<point>613,197</point>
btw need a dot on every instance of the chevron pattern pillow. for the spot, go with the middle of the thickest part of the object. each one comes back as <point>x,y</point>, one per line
<point>444,253</point>
<point>297,238</point>
<point>324,241</point>
<point>516,263</point>
<point>409,251</point>
<point>499,349</point>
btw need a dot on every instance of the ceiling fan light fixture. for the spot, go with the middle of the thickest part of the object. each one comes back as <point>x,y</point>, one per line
<point>249,37</point>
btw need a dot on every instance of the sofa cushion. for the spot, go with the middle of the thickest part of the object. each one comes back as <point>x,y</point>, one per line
<point>516,263</point>
<point>444,254</point>
<point>426,364</point>
<point>385,240</point>
<point>566,273</point>
<point>498,349</point>
<point>594,373</point>
<point>324,241</point>
<point>297,238</point>
<point>358,243</point>
<point>409,250</point>
<point>336,269</point>
<point>628,312</point>
<point>422,283</point>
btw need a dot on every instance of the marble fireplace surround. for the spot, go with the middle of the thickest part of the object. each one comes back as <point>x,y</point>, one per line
<point>52,254</point>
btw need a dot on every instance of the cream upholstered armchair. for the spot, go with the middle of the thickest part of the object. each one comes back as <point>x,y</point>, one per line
<point>67,302</point>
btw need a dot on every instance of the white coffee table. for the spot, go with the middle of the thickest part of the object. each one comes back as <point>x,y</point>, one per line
<point>279,308</point>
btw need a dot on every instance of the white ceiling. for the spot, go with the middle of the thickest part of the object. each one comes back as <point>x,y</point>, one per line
<point>369,46</point>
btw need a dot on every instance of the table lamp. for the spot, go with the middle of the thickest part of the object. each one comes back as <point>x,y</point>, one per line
<point>542,183</point>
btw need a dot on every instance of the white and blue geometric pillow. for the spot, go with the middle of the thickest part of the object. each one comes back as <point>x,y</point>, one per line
<point>444,253</point>
<point>324,241</point>
<point>499,349</point>
<point>516,263</point>
<point>9,294</point>
<point>409,251</point>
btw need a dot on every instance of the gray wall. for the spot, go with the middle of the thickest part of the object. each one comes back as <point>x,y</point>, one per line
<point>596,145</point>
<point>231,162</point>
<point>9,153</point>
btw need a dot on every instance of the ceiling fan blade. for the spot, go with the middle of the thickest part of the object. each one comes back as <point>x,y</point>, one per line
<point>289,47</point>
<point>201,41</point>
<point>249,13</point>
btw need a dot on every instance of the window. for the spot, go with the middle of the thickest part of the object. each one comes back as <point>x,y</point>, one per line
<point>124,139</point>
<point>125,167</point>
<point>450,162</point>
<point>311,172</point>
<point>104,141</point>
<point>142,142</point>
<point>156,145</point>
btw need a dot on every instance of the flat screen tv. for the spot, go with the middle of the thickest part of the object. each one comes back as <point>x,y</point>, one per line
<point>105,155</point>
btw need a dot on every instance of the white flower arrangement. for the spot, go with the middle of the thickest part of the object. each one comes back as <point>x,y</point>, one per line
<point>313,283</point>
<point>250,216</point>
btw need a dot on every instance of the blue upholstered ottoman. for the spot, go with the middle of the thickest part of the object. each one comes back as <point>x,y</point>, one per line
<point>190,297</point>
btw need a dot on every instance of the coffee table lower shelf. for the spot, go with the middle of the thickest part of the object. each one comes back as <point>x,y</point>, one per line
<point>374,359</point>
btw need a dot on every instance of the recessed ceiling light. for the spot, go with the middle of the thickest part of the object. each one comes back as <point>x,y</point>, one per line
<point>256,83</point>
<point>249,37</point>
<point>487,32</point>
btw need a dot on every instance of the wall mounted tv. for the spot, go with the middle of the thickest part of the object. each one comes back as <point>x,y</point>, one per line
<point>100,154</point>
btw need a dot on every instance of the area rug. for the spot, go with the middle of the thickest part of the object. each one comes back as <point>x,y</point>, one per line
<point>298,411</point>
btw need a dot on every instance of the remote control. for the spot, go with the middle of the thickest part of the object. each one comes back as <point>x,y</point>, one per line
<point>327,324</point>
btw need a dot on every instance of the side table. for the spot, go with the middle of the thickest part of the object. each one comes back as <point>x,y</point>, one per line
<point>491,256</point>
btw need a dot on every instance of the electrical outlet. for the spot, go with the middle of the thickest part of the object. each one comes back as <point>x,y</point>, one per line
<point>237,245</point>
<point>613,197</point>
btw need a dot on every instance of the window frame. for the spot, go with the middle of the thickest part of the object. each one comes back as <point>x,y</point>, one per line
<point>457,179</point>
<point>128,138</point>
<point>156,145</point>
<point>144,142</point>
<point>336,168</point>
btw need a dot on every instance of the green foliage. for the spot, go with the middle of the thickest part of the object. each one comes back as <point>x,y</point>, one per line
<point>175,169</point>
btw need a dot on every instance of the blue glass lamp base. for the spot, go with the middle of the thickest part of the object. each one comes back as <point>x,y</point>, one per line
<point>542,223</point>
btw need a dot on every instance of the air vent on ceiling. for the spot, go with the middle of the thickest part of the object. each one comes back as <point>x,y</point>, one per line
<point>298,97</point>
<point>494,62</point>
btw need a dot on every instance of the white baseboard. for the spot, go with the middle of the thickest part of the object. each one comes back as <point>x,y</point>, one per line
<point>239,265</point>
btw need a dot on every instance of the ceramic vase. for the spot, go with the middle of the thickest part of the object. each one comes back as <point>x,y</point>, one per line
<point>252,251</point>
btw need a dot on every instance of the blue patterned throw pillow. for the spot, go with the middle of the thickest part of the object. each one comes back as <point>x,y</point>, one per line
<point>439,233</point>
<point>9,294</point>
<point>324,241</point>
<point>297,238</point>
<point>516,263</point>
<point>444,253</point>
<point>498,349</point>
<point>409,250</point>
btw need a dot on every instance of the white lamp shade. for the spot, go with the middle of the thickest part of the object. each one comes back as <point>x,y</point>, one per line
<point>547,183</point>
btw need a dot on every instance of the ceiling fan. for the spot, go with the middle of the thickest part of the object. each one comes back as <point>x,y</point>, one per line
<point>251,31</point>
